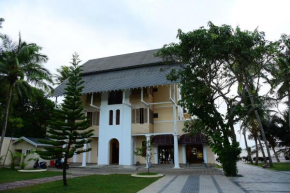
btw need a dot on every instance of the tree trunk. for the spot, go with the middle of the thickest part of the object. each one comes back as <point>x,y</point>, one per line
<point>261,126</point>
<point>262,149</point>
<point>64,172</point>
<point>248,151</point>
<point>257,152</point>
<point>6,113</point>
<point>277,158</point>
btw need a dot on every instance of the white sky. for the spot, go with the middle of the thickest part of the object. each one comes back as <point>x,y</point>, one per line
<point>97,29</point>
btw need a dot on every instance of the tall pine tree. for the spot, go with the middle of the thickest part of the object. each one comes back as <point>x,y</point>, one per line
<point>68,128</point>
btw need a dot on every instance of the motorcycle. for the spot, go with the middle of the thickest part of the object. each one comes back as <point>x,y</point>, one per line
<point>42,165</point>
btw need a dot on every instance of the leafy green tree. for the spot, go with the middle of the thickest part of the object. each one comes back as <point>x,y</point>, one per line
<point>21,64</point>
<point>280,71</point>
<point>68,128</point>
<point>34,111</point>
<point>205,79</point>
<point>63,74</point>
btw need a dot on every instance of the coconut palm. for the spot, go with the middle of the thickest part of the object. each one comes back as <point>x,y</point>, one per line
<point>281,73</point>
<point>20,66</point>
<point>63,74</point>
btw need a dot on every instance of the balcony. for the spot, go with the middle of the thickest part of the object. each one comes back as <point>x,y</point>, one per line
<point>142,128</point>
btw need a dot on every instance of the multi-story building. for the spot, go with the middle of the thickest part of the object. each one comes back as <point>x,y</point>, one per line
<point>130,101</point>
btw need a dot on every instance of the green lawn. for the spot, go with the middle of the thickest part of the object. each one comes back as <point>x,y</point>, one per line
<point>8,175</point>
<point>278,166</point>
<point>94,183</point>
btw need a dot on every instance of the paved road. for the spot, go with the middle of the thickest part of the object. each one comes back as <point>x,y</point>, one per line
<point>257,179</point>
<point>193,184</point>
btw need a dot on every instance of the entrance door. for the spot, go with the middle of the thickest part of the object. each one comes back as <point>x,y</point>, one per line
<point>194,154</point>
<point>114,151</point>
<point>166,154</point>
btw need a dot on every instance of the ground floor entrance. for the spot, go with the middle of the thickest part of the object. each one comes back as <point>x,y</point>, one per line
<point>114,146</point>
<point>194,153</point>
<point>165,154</point>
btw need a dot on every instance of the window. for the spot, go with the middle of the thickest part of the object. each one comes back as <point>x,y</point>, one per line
<point>155,89</point>
<point>93,118</point>
<point>111,117</point>
<point>90,118</point>
<point>118,117</point>
<point>155,115</point>
<point>27,151</point>
<point>115,97</point>
<point>140,115</point>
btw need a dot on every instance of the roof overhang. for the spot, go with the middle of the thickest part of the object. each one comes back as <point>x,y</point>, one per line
<point>124,79</point>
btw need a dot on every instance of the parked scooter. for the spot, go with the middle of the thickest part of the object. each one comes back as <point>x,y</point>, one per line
<point>59,164</point>
<point>42,165</point>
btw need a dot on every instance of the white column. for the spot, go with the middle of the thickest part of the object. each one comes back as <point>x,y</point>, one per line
<point>176,156</point>
<point>184,154</point>
<point>204,153</point>
<point>134,149</point>
<point>156,155</point>
<point>89,157</point>
<point>84,156</point>
<point>147,149</point>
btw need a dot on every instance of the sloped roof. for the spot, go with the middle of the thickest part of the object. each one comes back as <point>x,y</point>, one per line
<point>124,61</point>
<point>33,141</point>
<point>123,79</point>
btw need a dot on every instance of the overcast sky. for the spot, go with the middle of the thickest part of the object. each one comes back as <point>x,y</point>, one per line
<point>97,29</point>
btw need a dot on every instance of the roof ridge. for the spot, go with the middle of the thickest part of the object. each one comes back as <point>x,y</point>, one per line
<point>122,54</point>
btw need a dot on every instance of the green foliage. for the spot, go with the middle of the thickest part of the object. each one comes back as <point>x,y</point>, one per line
<point>68,128</point>
<point>20,66</point>
<point>147,149</point>
<point>14,158</point>
<point>63,74</point>
<point>229,158</point>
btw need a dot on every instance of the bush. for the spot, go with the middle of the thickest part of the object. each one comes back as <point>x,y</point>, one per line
<point>229,158</point>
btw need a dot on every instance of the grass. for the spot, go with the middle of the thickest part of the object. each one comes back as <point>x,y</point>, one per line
<point>146,173</point>
<point>8,175</point>
<point>94,183</point>
<point>285,166</point>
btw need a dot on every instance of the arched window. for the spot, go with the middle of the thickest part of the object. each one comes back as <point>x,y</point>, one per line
<point>111,117</point>
<point>118,117</point>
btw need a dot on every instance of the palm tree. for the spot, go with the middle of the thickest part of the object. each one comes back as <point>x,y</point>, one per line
<point>63,74</point>
<point>281,73</point>
<point>20,66</point>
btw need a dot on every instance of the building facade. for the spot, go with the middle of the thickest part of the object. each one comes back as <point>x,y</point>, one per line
<point>130,102</point>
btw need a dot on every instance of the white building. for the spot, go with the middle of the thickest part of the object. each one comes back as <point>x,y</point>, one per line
<point>130,101</point>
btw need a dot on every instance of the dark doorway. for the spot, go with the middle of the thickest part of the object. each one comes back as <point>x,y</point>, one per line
<point>114,144</point>
<point>194,153</point>
<point>166,154</point>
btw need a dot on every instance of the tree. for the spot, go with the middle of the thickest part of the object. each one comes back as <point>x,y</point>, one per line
<point>21,64</point>
<point>147,155</point>
<point>280,71</point>
<point>63,74</point>
<point>68,128</point>
<point>204,80</point>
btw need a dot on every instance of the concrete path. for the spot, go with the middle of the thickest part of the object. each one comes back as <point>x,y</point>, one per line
<point>257,179</point>
<point>193,184</point>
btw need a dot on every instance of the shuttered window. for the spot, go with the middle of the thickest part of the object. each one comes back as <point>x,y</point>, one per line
<point>93,118</point>
<point>111,117</point>
<point>118,117</point>
<point>140,115</point>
